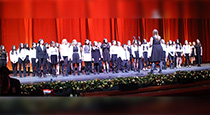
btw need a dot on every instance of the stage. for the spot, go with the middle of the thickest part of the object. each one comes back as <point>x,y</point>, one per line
<point>30,79</point>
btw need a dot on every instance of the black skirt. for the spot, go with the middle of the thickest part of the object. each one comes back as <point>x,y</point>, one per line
<point>106,56</point>
<point>179,54</point>
<point>136,54</point>
<point>54,59</point>
<point>75,58</point>
<point>27,59</point>
<point>157,53</point>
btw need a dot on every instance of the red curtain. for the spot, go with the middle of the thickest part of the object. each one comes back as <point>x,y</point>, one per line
<point>28,30</point>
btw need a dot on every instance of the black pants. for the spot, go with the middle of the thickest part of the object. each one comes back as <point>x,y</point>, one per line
<point>34,66</point>
<point>125,65</point>
<point>187,57</point>
<point>42,62</point>
<point>100,65</point>
<point>88,67</point>
<point>53,69</point>
<point>119,64</point>
<point>14,68</point>
<point>49,68</point>
<point>164,60</point>
<point>69,67</point>
<point>131,63</point>
<point>140,64</point>
<point>145,54</point>
<point>64,63</point>
<point>199,59</point>
<point>114,62</point>
<point>24,67</point>
<point>171,58</point>
<point>96,67</point>
<point>3,63</point>
<point>78,72</point>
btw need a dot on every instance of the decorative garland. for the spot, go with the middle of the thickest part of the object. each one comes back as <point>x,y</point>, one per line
<point>74,88</point>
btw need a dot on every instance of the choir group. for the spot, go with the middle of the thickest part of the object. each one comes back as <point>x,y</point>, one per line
<point>55,58</point>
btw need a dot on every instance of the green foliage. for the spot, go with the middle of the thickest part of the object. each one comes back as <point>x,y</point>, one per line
<point>107,84</point>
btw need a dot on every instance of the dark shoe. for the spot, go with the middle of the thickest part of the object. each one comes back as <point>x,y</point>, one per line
<point>160,71</point>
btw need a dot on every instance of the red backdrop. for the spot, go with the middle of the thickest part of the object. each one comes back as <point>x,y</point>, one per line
<point>28,30</point>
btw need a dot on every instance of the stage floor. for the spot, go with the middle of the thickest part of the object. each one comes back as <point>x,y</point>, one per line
<point>30,79</point>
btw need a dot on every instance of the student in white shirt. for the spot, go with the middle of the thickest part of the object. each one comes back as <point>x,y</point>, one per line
<point>79,44</point>
<point>130,51</point>
<point>171,54</point>
<point>145,50</point>
<point>21,60</point>
<point>119,56</point>
<point>64,50</point>
<point>106,65</point>
<point>53,57</point>
<point>27,60</point>
<point>14,59</point>
<point>165,53</point>
<point>125,58</point>
<point>113,54</point>
<point>179,53</point>
<point>33,59</point>
<point>69,59</point>
<point>59,59</point>
<point>87,57</point>
<point>49,71</point>
<point>135,55</point>
<point>187,53</point>
<point>140,53</point>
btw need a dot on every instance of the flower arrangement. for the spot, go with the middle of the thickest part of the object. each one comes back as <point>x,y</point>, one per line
<point>74,88</point>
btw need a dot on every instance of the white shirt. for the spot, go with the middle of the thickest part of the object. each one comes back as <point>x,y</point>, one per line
<point>27,52</point>
<point>178,49</point>
<point>32,54</point>
<point>113,50</point>
<point>171,50</point>
<point>125,55</point>
<point>164,46</point>
<point>140,51</point>
<point>53,51</point>
<point>120,51</point>
<point>64,50</point>
<point>186,49</point>
<point>133,49</point>
<point>86,54</point>
<point>22,54</point>
<point>145,47</point>
<point>14,57</point>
